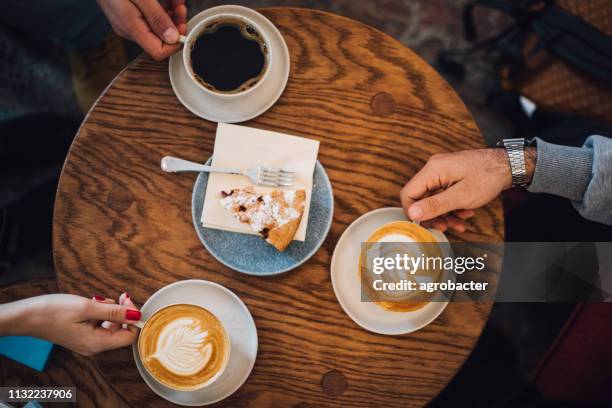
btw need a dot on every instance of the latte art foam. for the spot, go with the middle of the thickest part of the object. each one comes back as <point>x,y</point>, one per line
<point>184,346</point>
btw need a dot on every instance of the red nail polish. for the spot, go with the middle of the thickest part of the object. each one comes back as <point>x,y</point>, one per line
<point>132,315</point>
<point>99,297</point>
<point>127,295</point>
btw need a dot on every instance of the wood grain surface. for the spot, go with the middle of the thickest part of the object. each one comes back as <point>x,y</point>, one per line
<point>64,369</point>
<point>379,112</point>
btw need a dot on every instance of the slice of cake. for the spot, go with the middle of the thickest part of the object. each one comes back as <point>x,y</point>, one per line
<point>275,216</point>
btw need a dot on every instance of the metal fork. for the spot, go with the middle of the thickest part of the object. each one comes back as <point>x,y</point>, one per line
<point>263,176</point>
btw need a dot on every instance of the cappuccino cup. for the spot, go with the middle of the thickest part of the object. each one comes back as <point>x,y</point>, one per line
<point>394,239</point>
<point>184,347</point>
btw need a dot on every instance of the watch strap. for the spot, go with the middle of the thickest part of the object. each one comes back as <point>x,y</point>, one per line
<point>515,148</point>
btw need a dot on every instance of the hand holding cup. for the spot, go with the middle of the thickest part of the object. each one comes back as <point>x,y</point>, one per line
<point>86,326</point>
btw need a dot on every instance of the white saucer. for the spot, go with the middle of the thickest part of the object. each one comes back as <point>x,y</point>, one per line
<point>250,105</point>
<point>347,285</point>
<point>236,319</point>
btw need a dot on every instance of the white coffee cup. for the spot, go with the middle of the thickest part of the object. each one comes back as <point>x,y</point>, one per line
<point>163,378</point>
<point>194,33</point>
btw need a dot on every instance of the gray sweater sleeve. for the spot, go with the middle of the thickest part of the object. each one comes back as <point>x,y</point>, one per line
<point>581,174</point>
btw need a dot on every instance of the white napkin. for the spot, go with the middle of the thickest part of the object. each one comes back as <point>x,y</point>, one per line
<point>243,148</point>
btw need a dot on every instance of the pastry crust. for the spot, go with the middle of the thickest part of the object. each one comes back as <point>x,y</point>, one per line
<point>276,216</point>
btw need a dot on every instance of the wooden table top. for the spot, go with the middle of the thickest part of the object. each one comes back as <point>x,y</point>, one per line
<point>378,110</point>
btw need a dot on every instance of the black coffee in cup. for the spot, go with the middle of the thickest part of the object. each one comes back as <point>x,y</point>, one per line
<point>229,56</point>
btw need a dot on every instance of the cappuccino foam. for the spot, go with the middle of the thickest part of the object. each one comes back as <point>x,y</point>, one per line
<point>399,232</point>
<point>184,346</point>
<point>395,237</point>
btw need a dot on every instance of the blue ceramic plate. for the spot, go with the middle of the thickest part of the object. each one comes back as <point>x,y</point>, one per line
<point>252,255</point>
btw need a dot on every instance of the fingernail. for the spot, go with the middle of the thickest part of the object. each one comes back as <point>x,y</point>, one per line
<point>134,315</point>
<point>415,212</point>
<point>127,295</point>
<point>170,36</point>
<point>99,297</point>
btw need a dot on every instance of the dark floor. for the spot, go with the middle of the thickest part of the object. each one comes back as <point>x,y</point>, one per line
<point>517,334</point>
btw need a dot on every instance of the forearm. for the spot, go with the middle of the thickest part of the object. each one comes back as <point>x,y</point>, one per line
<point>16,318</point>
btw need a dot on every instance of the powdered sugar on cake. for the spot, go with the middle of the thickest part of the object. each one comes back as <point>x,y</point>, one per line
<point>260,211</point>
<point>266,212</point>
<point>289,196</point>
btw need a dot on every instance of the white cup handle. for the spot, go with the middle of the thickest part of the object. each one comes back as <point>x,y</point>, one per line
<point>182,39</point>
<point>139,324</point>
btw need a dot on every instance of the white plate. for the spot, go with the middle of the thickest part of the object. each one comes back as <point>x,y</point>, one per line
<point>236,319</point>
<point>347,285</point>
<point>253,103</point>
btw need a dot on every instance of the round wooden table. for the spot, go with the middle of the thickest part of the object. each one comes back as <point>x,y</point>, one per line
<point>379,112</point>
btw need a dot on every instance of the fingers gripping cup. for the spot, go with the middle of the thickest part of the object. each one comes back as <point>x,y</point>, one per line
<point>226,55</point>
<point>184,347</point>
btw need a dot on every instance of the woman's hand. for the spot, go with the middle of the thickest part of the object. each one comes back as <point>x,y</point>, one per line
<point>445,191</point>
<point>155,28</point>
<point>86,326</point>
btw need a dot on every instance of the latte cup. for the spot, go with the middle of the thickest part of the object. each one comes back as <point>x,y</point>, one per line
<point>188,42</point>
<point>184,347</point>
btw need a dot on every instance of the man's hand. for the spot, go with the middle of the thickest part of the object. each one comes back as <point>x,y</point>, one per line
<point>155,28</point>
<point>446,190</point>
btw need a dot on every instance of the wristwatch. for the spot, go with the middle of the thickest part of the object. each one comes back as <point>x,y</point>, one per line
<point>515,148</point>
